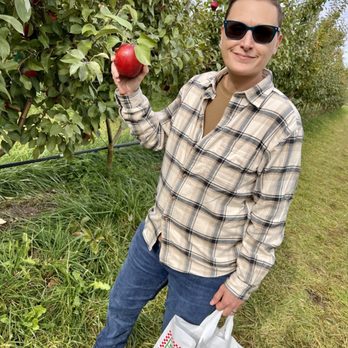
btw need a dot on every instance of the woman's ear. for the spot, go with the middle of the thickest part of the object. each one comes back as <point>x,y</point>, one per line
<point>279,40</point>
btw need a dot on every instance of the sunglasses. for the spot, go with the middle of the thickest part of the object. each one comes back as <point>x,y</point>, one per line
<point>262,34</point>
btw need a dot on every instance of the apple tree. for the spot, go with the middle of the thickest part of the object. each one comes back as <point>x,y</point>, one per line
<point>55,82</point>
<point>308,67</point>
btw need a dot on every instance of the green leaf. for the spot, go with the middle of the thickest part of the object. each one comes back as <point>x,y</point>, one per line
<point>112,41</point>
<point>51,144</point>
<point>176,33</point>
<point>100,285</point>
<point>101,107</point>
<point>77,54</point>
<point>69,131</point>
<point>26,82</point>
<point>16,24</point>
<point>180,63</point>
<point>106,13</point>
<point>95,69</point>
<point>166,39</point>
<point>45,60</point>
<point>23,9</point>
<point>106,30</point>
<point>162,32</point>
<point>56,129</point>
<point>93,111</point>
<point>143,54</point>
<point>9,65</point>
<point>5,319</point>
<point>103,55</point>
<point>72,57</point>
<point>14,136</point>
<point>88,30</point>
<point>76,29</point>
<point>36,312</point>
<point>142,26</point>
<point>83,73</point>
<point>4,48</point>
<point>77,301</point>
<point>36,152</point>
<point>5,146</point>
<point>144,40</point>
<point>132,11</point>
<point>72,3</point>
<point>41,139</point>
<point>61,118</point>
<point>94,247</point>
<point>86,13</point>
<point>29,261</point>
<point>84,46</point>
<point>43,38</point>
<point>124,23</point>
<point>32,64</point>
<point>4,31</point>
<point>169,19</point>
<point>75,67</point>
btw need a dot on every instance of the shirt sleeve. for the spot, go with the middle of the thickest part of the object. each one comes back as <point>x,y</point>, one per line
<point>149,127</point>
<point>272,195</point>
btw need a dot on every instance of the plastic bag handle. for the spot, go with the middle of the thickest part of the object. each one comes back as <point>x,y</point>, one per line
<point>228,327</point>
<point>209,324</point>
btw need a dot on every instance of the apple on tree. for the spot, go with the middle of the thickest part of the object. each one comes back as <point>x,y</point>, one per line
<point>214,5</point>
<point>126,61</point>
<point>30,73</point>
<point>53,16</point>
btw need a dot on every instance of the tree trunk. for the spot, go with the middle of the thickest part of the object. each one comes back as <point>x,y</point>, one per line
<point>111,143</point>
<point>21,121</point>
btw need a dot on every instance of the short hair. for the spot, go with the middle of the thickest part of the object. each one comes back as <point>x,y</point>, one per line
<point>273,2</point>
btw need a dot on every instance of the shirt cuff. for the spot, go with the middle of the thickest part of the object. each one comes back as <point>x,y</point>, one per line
<point>239,288</point>
<point>130,100</point>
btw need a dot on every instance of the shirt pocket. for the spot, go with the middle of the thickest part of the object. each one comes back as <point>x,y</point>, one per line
<point>235,174</point>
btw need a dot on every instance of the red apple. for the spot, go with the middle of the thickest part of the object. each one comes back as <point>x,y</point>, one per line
<point>126,61</point>
<point>30,73</point>
<point>214,5</point>
<point>52,16</point>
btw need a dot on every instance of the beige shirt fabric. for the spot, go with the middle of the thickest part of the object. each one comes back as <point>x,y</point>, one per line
<point>222,198</point>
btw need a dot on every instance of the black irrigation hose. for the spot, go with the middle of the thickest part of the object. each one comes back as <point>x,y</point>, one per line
<point>97,149</point>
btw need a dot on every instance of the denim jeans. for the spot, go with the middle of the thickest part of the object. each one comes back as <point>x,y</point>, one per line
<point>142,276</point>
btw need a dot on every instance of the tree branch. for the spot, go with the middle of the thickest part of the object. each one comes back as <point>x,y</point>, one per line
<point>21,120</point>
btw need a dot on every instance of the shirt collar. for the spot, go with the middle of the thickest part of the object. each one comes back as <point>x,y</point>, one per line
<point>255,95</point>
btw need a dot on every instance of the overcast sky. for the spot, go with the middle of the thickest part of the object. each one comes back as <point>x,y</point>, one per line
<point>345,16</point>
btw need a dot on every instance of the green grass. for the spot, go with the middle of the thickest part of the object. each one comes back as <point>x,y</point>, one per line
<point>69,225</point>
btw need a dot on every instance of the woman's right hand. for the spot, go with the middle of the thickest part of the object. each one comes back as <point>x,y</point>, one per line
<point>126,85</point>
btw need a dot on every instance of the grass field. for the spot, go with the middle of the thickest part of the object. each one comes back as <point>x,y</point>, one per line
<point>68,227</point>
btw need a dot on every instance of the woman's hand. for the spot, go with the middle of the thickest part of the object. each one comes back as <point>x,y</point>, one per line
<point>126,85</point>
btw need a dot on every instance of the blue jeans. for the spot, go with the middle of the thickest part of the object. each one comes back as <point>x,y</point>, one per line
<point>140,279</point>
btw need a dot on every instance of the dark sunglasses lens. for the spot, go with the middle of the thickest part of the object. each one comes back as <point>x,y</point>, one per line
<point>263,34</point>
<point>235,30</point>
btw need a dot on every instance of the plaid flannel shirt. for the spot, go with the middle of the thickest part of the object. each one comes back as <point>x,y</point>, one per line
<point>222,199</point>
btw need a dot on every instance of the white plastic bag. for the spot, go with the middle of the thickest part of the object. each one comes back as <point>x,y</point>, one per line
<point>181,334</point>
